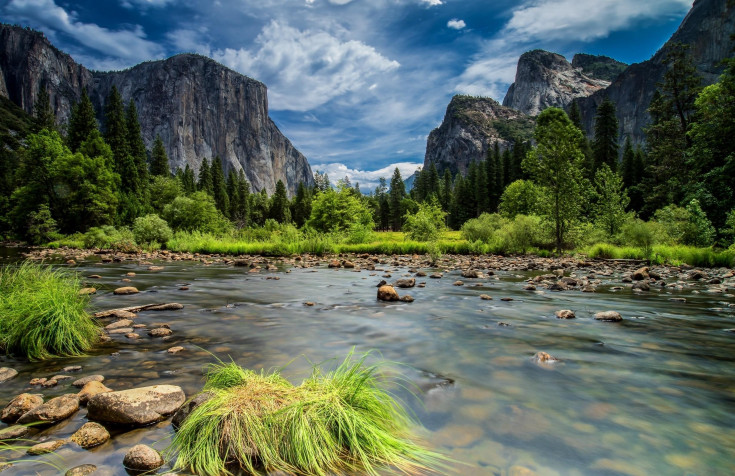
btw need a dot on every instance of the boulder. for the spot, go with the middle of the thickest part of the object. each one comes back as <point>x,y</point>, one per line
<point>189,407</point>
<point>142,458</point>
<point>137,406</point>
<point>6,373</point>
<point>91,434</point>
<point>81,470</point>
<point>609,316</point>
<point>565,314</point>
<point>79,383</point>
<point>387,293</point>
<point>55,410</point>
<point>91,389</point>
<point>406,283</point>
<point>125,290</point>
<point>46,447</point>
<point>20,405</point>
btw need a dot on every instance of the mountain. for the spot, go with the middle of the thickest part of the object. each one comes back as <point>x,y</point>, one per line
<point>545,79</point>
<point>472,125</point>
<point>199,107</point>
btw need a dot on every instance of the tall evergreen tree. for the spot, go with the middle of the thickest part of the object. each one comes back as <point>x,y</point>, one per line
<point>43,114</point>
<point>204,183</point>
<point>81,122</point>
<point>159,159</point>
<point>219,187</point>
<point>605,143</point>
<point>397,194</point>
<point>135,142</point>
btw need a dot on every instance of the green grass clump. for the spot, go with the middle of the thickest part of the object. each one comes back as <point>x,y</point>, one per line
<point>42,314</point>
<point>334,422</point>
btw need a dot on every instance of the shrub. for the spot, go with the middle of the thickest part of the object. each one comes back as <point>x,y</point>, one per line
<point>151,229</point>
<point>482,228</point>
<point>426,224</point>
<point>42,314</point>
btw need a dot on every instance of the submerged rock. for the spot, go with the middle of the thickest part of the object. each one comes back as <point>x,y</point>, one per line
<point>142,458</point>
<point>137,406</point>
<point>90,435</point>
<point>20,405</point>
<point>55,410</point>
<point>6,373</point>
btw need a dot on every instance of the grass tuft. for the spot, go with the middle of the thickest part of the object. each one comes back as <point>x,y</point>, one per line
<point>334,422</point>
<point>42,314</point>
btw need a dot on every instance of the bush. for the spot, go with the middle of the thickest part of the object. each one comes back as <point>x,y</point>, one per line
<point>482,228</point>
<point>426,224</point>
<point>109,237</point>
<point>151,229</point>
<point>42,314</point>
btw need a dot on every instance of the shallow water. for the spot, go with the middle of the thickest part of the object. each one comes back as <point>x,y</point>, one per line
<point>651,395</point>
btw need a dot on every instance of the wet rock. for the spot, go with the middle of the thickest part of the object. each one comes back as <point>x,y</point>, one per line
<point>55,410</point>
<point>20,405</point>
<point>137,406</point>
<point>126,290</point>
<point>91,389</point>
<point>79,383</point>
<point>189,407</point>
<point>119,324</point>
<point>142,458</point>
<point>81,470</point>
<point>175,350</point>
<point>565,314</point>
<point>46,447</point>
<point>87,291</point>
<point>609,316</point>
<point>172,306</point>
<point>406,283</point>
<point>90,435</point>
<point>160,332</point>
<point>486,297</point>
<point>6,373</point>
<point>640,274</point>
<point>14,432</point>
<point>387,293</point>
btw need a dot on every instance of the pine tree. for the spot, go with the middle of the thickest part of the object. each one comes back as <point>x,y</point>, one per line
<point>43,114</point>
<point>219,187</point>
<point>205,178</point>
<point>159,159</point>
<point>135,142</point>
<point>605,144</point>
<point>397,194</point>
<point>81,122</point>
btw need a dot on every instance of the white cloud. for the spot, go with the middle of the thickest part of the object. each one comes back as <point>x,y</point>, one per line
<point>305,69</point>
<point>368,179</point>
<point>129,45</point>
<point>456,24</point>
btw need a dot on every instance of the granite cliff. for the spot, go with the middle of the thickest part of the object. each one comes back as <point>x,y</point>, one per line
<point>199,107</point>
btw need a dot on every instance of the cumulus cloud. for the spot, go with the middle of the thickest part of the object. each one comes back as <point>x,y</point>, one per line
<point>305,69</point>
<point>368,179</point>
<point>456,24</point>
<point>130,45</point>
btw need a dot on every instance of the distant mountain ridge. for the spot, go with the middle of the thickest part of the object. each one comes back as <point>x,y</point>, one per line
<point>199,107</point>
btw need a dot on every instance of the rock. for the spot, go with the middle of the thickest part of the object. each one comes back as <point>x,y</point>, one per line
<point>142,458</point>
<point>79,383</point>
<point>16,432</point>
<point>175,350</point>
<point>87,291</point>
<point>125,290</point>
<point>387,293</point>
<point>119,324</point>
<point>91,389</point>
<point>172,306</point>
<point>6,373</point>
<point>486,297</point>
<point>565,314</point>
<point>20,405</point>
<point>609,316</point>
<point>46,447</point>
<point>91,434</point>
<point>406,283</point>
<point>640,274</point>
<point>137,406</point>
<point>189,407</point>
<point>160,332</point>
<point>81,470</point>
<point>55,410</point>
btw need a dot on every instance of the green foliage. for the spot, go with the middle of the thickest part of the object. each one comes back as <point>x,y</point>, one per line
<point>336,421</point>
<point>159,159</point>
<point>110,238</point>
<point>151,229</point>
<point>519,198</point>
<point>427,223</point>
<point>41,226</point>
<point>195,213</point>
<point>42,314</point>
<point>337,211</point>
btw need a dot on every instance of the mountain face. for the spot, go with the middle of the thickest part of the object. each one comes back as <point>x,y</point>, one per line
<point>472,125</point>
<point>546,79</point>
<point>707,29</point>
<point>200,108</point>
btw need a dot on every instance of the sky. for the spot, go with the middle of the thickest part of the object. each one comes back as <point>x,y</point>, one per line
<point>356,85</point>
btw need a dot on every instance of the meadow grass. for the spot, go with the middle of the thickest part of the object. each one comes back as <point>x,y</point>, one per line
<point>338,421</point>
<point>42,314</point>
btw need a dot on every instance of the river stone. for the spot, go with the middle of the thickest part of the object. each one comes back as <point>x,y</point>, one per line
<point>119,324</point>
<point>90,435</point>
<point>160,332</point>
<point>46,447</point>
<point>55,410</point>
<point>125,290</point>
<point>137,406</point>
<point>387,293</point>
<point>81,470</point>
<point>91,389</point>
<point>609,316</point>
<point>14,432</point>
<point>20,405</point>
<point>79,383</point>
<point>565,314</point>
<point>172,306</point>
<point>406,283</point>
<point>6,373</point>
<point>142,458</point>
<point>189,407</point>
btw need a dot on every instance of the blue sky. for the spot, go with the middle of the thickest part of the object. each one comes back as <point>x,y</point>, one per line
<point>357,85</point>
